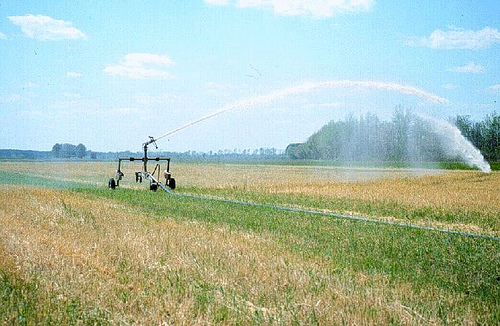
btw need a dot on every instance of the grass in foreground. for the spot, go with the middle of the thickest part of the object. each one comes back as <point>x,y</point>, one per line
<point>132,256</point>
<point>138,257</point>
<point>26,303</point>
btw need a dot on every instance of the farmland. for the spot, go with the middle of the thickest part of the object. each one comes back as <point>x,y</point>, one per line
<point>74,251</point>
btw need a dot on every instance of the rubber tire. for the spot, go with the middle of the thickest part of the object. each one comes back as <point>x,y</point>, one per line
<point>112,183</point>
<point>153,187</point>
<point>171,183</point>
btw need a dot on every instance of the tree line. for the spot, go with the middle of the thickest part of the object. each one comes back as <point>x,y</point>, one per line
<point>485,134</point>
<point>406,137</point>
<point>69,151</point>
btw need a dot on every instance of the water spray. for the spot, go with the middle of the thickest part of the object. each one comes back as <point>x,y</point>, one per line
<point>308,87</point>
<point>448,131</point>
<point>451,136</point>
<point>456,144</point>
<point>262,99</point>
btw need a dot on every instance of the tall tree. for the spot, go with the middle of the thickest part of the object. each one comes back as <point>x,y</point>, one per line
<point>81,150</point>
<point>56,150</point>
<point>68,150</point>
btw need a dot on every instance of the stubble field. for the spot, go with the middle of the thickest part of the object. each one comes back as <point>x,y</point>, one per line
<point>73,251</point>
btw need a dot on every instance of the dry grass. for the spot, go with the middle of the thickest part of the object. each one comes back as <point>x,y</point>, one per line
<point>449,189</point>
<point>457,193</point>
<point>83,172</point>
<point>470,200</point>
<point>269,176</point>
<point>467,190</point>
<point>149,271</point>
<point>208,174</point>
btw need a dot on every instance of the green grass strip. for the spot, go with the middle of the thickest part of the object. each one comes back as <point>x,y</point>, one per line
<point>26,303</point>
<point>468,267</point>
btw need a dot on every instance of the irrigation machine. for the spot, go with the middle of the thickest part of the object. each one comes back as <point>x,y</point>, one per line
<point>153,177</point>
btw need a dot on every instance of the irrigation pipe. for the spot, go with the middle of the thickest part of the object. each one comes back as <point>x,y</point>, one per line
<point>336,215</point>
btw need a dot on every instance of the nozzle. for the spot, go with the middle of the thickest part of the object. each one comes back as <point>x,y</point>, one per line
<point>150,141</point>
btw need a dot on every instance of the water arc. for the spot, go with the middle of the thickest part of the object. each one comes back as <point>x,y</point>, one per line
<point>309,87</point>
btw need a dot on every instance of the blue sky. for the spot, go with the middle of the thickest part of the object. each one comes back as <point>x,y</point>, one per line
<point>109,74</point>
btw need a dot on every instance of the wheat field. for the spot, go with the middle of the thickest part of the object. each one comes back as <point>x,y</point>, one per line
<point>130,256</point>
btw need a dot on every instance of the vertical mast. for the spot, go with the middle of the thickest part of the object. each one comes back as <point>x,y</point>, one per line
<point>145,147</point>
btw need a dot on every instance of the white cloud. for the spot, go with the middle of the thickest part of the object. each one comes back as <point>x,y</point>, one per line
<point>315,8</point>
<point>495,88</point>
<point>470,68</point>
<point>73,74</point>
<point>139,59</point>
<point>135,72</point>
<point>3,36</point>
<point>458,39</point>
<point>45,28</point>
<point>141,66</point>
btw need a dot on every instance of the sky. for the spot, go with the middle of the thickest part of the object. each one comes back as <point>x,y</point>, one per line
<point>264,73</point>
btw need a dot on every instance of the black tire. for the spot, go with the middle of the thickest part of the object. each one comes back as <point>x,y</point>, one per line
<point>171,183</point>
<point>112,183</point>
<point>153,187</point>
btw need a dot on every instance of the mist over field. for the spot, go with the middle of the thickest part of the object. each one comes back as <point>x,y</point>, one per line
<point>408,137</point>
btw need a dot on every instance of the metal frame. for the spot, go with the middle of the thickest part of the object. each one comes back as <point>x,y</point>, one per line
<point>154,182</point>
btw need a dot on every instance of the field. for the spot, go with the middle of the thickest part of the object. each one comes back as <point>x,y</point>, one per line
<point>72,251</point>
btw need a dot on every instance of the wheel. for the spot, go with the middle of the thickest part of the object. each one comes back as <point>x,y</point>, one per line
<point>171,183</point>
<point>112,183</point>
<point>153,187</point>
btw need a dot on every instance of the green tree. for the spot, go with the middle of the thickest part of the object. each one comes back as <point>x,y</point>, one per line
<point>492,137</point>
<point>56,150</point>
<point>81,150</point>
<point>68,150</point>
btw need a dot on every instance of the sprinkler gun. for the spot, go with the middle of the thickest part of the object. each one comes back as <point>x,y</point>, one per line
<point>154,182</point>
